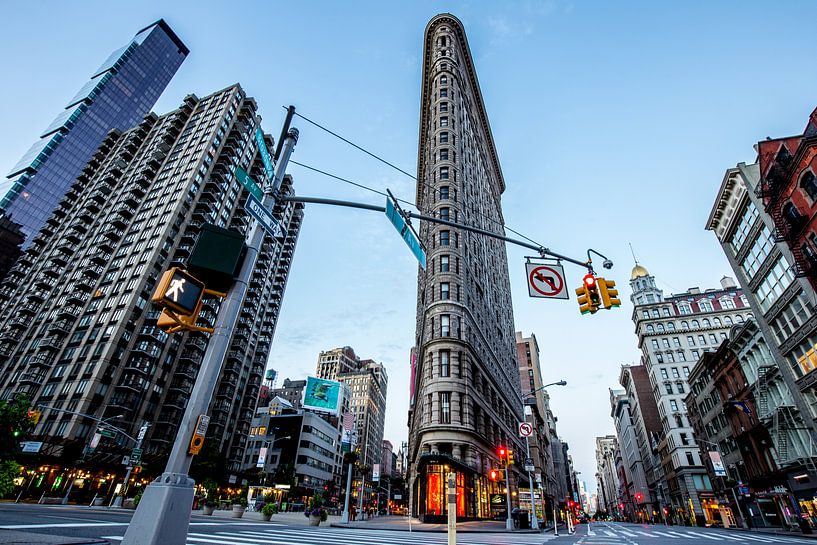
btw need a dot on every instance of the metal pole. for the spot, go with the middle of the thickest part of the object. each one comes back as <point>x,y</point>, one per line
<point>360,497</point>
<point>117,502</point>
<point>345,517</point>
<point>163,515</point>
<point>534,522</point>
<point>508,520</point>
<point>452,508</point>
<point>555,522</point>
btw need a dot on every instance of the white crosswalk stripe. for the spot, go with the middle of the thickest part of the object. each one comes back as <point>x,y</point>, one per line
<point>706,536</point>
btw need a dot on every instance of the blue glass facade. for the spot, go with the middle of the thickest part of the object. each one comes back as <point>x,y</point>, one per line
<point>118,96</point>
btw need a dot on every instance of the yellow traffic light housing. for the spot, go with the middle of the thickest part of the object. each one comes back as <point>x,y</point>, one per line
<point>588,295</point>
<point>609,295</point>
<point>510,457</point>
<point>179,291</point>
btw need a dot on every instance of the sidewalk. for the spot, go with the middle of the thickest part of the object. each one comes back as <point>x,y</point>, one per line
<point>13,537</point>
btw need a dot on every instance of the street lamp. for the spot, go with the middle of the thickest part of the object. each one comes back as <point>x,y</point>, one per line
<point>534,519</point>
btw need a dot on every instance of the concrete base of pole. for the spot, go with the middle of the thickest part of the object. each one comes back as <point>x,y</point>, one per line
<point>117,502</point>
<point>163,514</point>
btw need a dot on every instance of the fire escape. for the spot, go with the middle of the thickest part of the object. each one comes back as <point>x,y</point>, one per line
<point>787,225</point>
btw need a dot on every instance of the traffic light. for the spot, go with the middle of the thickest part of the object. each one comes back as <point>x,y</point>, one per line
<point>609,295</point>
<point>493,474</point>
<point>638,497</point>
<point>588,295</point>
<point>510,457</point>
<point>502,452</point>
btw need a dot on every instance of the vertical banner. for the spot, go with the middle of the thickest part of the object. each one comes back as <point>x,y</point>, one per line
<point>717,463</point>
<point>375,472</point>
<point>262,457</point>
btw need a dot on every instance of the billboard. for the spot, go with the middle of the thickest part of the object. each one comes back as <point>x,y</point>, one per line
<point>322,395</point>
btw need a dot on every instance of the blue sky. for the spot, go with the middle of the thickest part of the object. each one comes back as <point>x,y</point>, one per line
<point>614,123</point>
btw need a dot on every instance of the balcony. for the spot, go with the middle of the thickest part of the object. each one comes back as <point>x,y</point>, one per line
<point>11,335</point>
<point>60,327</point>
<point>50,343</point>
<point>68,311</point>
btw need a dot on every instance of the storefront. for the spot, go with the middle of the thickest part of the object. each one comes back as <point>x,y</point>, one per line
<point>476,494</point>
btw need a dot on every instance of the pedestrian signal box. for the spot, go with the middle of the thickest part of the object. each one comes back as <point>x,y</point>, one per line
<point>179,291</point>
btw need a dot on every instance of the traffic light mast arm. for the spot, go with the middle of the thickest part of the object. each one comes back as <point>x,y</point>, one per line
<point>542,251</point>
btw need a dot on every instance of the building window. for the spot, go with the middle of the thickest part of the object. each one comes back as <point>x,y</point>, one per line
<point>665,311</point>
<point>705,305</point>
<point>650,329</point>
<point>445,237</point>
<point>684,325</point>
<point>809,184</point>
<point>444,121</point>
<point>713,339</point>
<point>690,340</point>
<point>727,320</point>
<point>445,290</point>
<point>445,213</point>
<point>684,308</point>
<point>445,325</point>
<point>717,322</point>
<point>445,407</point>
<point>744,226</point>
<point>690,459</point>
<point>443,93</point>
<point>444,263</point>
<point>757,254</point>
<point>444,137</point>
<point>773,285</point>
<point>664,374</point>
<point>443,173</point>
<point>445,363</point>
<point>686,371</point>
<point>668,386</point>
<point>444,193</point>
<point>675,373</point>
<point>655,344</point>
<point>444,154</point>
<point>792,215</point>
<point>673,405</point>
<point>707,323</point>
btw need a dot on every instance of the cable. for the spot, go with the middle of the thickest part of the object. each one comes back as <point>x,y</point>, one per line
<point>369,153</point>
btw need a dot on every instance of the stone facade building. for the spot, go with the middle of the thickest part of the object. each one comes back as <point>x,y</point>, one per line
<point>77,332</point>
<point>606,476</point>
<point>467,394</point>
<point>673,332</point>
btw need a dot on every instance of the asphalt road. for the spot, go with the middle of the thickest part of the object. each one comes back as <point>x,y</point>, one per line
<point>82,522</point>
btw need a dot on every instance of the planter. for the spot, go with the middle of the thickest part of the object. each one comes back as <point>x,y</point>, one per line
<point>265,517</point>
<point>238,511</point>
<point>99,501</point>
<point>314,520</point>
<point>208,509</point>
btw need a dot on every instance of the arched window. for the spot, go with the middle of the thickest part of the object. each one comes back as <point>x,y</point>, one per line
<point>707,323</point>
<point>684,325</point>
<point>695,324</point>
<point>717,322</point>
<point>671,326</point>
<point>660,328</point>
<point>727,320</point>
<point>809,184</point>
<point>650,329</point>
<point>792,215</point>
<point>739,319</point>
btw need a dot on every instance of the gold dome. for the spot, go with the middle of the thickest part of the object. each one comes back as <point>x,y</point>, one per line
<point>638,271</point>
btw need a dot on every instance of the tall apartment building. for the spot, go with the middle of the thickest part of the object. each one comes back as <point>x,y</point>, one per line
<point>467,400</point>
<point>633,489</point>
<point>537,407</point>
<point>606,476</point>
<point>76,329</point>
<point>118,95</point>
<point>367,386</point>
<point>647,431</point>
<point>673,332</point>
<point>779,365</point>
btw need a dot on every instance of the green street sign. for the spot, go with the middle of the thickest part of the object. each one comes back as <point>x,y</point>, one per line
<point>249,183</point>
<point>265,156</point>
<point>105,432</point>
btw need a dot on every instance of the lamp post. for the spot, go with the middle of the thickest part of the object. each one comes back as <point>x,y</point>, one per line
<point>527,411</point>
<point>723,481</point>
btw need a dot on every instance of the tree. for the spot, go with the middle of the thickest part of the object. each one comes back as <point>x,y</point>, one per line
<point>211,464</point>
<point>16,421</point>
<point>9,470</point>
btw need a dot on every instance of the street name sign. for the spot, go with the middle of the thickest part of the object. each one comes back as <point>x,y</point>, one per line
<point>31,446</point>
<point>248,183</point>
<point>546,281</point>
<point>265,156</point>
<point>105,432</point>
<point>407,234</point>
<point>264,217</point>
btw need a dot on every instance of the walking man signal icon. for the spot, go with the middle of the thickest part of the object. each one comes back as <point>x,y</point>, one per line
<point>176,288</point>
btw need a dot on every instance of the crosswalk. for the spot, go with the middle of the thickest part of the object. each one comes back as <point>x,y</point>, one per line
<point>632,534</point>
<point>282,535</point>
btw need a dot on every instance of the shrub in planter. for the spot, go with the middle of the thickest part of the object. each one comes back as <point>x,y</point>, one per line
<point>268,510</point>
<point>239,506</point>
<point>209,507</point>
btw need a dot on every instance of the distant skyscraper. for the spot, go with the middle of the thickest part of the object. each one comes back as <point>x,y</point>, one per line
<point>467,393</point>
<point>118,95</point>
<point>76,328</point>
<point>367,382</point>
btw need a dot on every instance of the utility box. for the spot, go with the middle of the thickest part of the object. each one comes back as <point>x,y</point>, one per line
<point>217,257</point>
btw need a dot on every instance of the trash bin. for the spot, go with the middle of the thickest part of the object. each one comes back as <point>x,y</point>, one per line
<point>523,520</point>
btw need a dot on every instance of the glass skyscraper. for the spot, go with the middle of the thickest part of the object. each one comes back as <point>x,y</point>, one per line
<point>118,96</point>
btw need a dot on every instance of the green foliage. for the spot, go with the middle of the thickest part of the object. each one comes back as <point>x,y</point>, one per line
<point>136,499</point>
<point>210,464</point>
<point>240,500</point>
<point>9,470</point>
<point>285,474</point>
<point>270,509</point>
<point>15,425</point>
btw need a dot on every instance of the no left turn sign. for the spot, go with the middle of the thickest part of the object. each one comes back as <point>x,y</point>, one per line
<point>547,281</point>
<point>525,429</point>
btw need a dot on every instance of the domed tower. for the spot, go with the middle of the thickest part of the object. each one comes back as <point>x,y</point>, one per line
<point>643,286</point>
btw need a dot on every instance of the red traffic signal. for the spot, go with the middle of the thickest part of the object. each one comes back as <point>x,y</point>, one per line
<point>494,475</point>
<point>589,280</point>
<point>638,497</point>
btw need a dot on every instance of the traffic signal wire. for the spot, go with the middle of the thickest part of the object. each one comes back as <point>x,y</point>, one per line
<point>385,162</point>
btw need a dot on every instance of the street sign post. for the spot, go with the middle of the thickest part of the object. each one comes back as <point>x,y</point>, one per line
<point>546,281</point>
<point>264,217</point>
<point>248,183</point>
<point>405,232</point>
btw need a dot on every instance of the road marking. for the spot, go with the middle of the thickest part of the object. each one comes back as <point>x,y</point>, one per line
<point>707,536</point>
<point>665,534</point>
<point>769,539</point>
<point>61,525</point>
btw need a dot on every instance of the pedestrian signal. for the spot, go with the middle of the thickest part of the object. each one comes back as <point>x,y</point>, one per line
<point>178,291</point>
